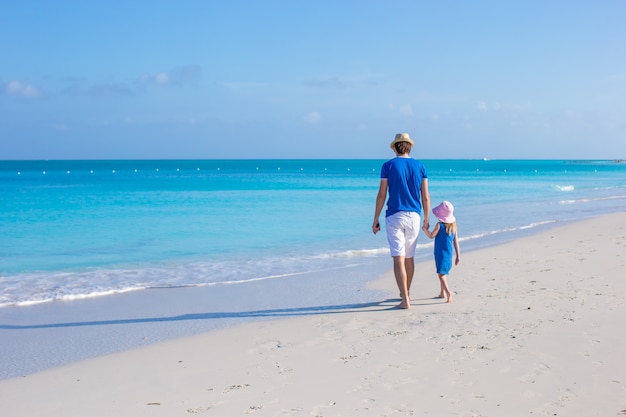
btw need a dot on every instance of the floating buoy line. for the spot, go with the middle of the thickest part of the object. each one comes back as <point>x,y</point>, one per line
<point>219,169</point>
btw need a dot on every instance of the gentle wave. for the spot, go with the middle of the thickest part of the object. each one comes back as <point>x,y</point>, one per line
<point>244,281</point>
<point>589,200</point>
<point>68,286</point>
<point>506,230</point>
<point>42,287</point>
<point>565,187</point>
<point>71,297</point>
<point>357,253</point>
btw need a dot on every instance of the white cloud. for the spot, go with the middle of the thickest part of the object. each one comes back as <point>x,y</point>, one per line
<point>243,86</point>
<point>161,78</point>
<point>109,90</point>
<point>19,88</point>
<point>620,77</point>
<point>503,107</point>
<point>406,110</point>
<point>178,76</point>
<point>327,82</point>
<point>312,118</point>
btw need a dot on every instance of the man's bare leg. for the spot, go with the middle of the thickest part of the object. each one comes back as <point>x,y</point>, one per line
<point>409,267</point>
<point>399,270</point>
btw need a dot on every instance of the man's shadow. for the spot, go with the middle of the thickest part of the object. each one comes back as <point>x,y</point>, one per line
<point>388,304</point>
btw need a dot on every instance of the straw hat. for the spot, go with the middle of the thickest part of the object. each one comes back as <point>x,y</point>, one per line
<point>401,137</point>
<point>444,212</point>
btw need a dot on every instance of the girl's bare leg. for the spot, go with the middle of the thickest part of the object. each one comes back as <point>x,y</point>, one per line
<point>442,292</point>
<point>445,290</point>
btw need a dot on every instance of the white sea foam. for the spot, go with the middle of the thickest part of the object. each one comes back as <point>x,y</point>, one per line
<point>244,281</point>
<point>71,297</point>
<point>506,230</point>
<point>588,200</point>
<point>37,288</point>
<point>41,287</point>
<point>356,253</point>
<point>565,187</point>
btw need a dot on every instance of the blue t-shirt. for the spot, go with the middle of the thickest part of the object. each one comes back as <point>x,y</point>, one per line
<point>404,176</point>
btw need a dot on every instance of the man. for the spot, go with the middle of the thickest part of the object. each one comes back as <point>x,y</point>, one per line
<point>407,182</point>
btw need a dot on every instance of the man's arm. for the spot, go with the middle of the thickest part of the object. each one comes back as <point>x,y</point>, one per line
<point>425,202</point>
<point>380,203</point>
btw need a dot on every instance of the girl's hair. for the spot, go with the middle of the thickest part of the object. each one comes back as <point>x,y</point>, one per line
<point>450,228</point>
<point>403,147</point>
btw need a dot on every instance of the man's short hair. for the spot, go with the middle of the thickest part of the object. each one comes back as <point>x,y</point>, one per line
<point>403,147</point>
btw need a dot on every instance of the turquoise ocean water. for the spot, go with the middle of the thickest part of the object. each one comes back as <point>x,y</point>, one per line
<point>87,229</point>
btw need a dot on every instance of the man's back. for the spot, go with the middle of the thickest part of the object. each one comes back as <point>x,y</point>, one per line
<point>404,176</point>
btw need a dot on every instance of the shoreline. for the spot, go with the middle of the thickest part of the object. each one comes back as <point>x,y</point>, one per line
<point>534,330</point>
<point>72,330</point>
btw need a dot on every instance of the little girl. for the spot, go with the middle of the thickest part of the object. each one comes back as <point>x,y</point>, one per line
<point>446,236</point>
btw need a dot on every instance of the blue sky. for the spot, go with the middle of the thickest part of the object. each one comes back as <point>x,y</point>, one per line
<point>317,79</point>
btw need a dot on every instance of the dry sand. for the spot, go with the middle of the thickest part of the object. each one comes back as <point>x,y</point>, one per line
<point>536,330</point>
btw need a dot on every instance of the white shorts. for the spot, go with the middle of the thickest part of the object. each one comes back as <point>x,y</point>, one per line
<point>402,231</point>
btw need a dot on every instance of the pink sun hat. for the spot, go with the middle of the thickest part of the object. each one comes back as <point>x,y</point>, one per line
<point>444,212</point>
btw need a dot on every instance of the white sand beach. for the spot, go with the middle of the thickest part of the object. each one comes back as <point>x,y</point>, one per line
<point>536,329</point>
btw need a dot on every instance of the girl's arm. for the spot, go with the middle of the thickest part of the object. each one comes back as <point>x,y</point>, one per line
<point>457,248</point>
<point>433,233</point>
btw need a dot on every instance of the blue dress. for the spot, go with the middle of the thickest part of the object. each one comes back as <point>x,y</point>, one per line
<point>443,250</point>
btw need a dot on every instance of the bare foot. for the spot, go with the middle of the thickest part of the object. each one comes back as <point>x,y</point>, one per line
<point>404,306</point>
<point>450,299</point>
<point>440,296</point>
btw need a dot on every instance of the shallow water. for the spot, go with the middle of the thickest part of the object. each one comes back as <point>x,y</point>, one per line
<point>81,229</point>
